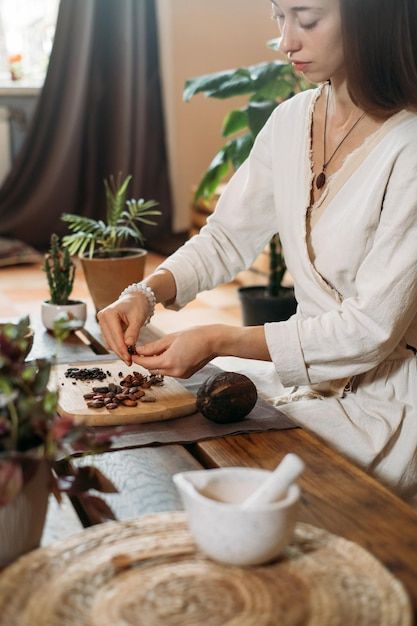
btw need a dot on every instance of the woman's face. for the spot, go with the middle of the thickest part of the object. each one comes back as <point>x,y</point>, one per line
<point>311,36</point>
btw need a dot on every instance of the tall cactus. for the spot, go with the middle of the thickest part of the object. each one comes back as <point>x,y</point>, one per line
<point>60,272</point>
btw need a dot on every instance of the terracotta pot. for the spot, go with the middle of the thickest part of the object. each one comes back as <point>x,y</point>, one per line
<point>75,309</point>
<point>107,276</point>
<point>22,521</point>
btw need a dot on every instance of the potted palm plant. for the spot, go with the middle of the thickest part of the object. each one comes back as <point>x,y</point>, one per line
<point>108,260</point>
<point>266,85</point>
<point>34,447</point>
<point>60,274</point>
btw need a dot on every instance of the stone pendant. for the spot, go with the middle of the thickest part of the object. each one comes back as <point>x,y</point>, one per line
<point>320,180</point>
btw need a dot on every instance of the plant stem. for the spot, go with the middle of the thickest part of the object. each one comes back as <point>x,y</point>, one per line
<point>276,267</point>
<point>14,419</point>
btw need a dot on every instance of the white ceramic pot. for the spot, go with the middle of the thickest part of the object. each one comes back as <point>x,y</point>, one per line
<point>222,528</point>
<point>75,309</point>
<point>22,521</point>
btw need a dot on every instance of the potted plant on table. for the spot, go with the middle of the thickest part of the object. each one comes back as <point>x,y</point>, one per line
<point>34,447</point>
<point>109,265</point>
<point>266,85</point>
<point>60,273</point>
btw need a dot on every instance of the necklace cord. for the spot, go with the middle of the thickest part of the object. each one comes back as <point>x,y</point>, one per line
<point>321,178</point>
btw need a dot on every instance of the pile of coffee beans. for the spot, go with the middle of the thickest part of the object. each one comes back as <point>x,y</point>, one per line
<point>86,373</point>
<point>128,392</point>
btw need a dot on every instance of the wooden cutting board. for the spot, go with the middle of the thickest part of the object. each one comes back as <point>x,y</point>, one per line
<point>172,399</point>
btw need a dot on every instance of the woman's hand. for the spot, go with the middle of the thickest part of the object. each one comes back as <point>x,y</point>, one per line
<point>179,354</point>
<point>183,353</point>
<point>121,322</point>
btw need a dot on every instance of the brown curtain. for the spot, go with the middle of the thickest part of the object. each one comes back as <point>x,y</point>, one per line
<point>99,113</point>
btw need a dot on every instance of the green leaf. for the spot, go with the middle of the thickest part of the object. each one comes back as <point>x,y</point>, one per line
<point>50,402</point>
<point>258,113</point>
<point>278,90</point>
<point>207,82</point>
<point>235,121</point>
<point>42,376</point>
<point>238,150</point>
<point>215,173</point>
<point>263,73</point>
<point>115,197</point>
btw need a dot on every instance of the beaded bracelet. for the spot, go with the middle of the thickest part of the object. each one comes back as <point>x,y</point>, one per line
<point>147,292</point>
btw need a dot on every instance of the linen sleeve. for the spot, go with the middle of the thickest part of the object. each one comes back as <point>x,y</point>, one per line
<point>238,230</point>
<point>367,327</point>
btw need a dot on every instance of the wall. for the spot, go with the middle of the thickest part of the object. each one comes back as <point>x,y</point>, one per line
<point>199,37</point>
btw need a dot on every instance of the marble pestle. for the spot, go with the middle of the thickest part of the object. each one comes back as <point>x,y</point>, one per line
<point>276,485</point>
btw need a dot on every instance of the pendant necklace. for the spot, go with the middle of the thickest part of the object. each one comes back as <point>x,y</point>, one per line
<point>321,178</point>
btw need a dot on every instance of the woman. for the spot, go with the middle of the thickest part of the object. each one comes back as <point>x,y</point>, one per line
<point>334,171</point>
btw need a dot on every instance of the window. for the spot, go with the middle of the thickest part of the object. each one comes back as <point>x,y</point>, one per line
<point>27,31</point>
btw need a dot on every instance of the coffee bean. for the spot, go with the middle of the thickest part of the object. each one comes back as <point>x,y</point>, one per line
<point>88,396</point>
<point>129,402</point>
<point>101,389</point>
<point>95,404</point>
<point>86,374</point>
<point>111,406</point>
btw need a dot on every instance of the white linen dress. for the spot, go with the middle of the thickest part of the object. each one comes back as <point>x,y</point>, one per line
<point>346,355</point>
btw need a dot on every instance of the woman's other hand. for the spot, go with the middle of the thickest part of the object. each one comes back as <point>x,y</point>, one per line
<point>179,354</point>
<point>183,353</point>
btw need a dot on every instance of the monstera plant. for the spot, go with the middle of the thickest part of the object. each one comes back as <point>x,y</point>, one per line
<point>265,85</point>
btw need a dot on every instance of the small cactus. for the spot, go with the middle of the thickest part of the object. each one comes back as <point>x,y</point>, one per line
<point>60,272</point>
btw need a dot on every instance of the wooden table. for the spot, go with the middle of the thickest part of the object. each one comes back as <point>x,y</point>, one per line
<point>337,495</point>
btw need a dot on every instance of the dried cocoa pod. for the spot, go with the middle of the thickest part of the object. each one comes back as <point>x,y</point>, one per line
<point>226,397</point>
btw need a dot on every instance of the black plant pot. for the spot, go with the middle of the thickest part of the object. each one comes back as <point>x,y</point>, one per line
<point>258,307</point>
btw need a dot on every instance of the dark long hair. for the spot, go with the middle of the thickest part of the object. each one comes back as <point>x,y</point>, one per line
<point>380,45</point>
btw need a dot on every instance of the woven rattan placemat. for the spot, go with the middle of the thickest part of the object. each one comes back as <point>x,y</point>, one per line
<point>147,572</point>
